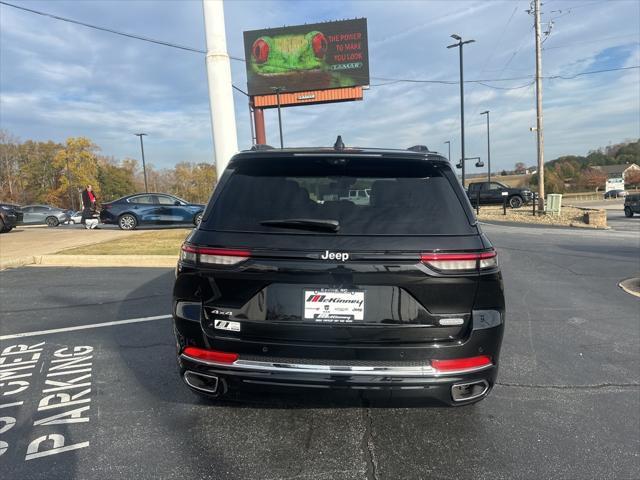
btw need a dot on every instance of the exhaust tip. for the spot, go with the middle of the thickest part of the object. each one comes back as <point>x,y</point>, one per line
<point>461,392</point>
<point>201,382</point>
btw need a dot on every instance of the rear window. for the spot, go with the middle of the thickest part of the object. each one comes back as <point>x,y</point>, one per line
<point>399,197</point>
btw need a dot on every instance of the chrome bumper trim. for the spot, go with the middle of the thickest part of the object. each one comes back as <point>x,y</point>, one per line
<point>346,370</point>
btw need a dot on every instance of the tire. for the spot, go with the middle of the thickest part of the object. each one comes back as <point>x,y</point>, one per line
<point>52,221</point>
<point>127,222</point>
<point>197,219</point>
<point>628,212</point>
<point>515,201</point>
<point>2,229</point>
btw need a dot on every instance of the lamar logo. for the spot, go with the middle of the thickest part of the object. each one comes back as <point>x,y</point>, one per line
<point>327,255</point>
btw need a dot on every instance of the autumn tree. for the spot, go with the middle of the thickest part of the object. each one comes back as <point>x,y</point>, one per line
<point>9,166</point>
<point>593,178</point>
<point>194,181</point>
<point>76,165</point>
<point>633,178</point>
<point>38,174</point>
<point>552,181</point>
<point>520,168</point>
<point>114,180</point>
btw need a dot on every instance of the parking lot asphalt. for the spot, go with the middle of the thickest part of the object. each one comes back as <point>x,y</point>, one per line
<point>617,221</point>
<point>105,401</point>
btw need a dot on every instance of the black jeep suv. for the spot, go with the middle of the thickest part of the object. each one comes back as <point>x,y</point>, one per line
<point>286,283</point>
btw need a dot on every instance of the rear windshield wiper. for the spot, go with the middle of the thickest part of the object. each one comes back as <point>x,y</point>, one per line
<point>304,223</point>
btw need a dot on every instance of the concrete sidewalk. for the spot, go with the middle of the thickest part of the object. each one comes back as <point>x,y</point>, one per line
<point>20,245</point>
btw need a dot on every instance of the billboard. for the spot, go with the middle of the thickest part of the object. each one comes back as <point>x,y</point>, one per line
<point>307,57</point>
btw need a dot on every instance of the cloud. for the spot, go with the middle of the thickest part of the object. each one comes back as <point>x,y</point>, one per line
<point>59,80</point>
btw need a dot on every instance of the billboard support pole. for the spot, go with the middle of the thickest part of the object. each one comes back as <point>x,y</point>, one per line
<point>251,124</point>
<point>258,119</point>
<point>223,119</point>
<point>278,90</point>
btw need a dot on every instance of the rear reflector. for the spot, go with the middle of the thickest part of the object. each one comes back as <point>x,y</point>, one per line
<point>211,355</point>
<point>461,364</point>
<point>214,256</point>
<point>461,261</point>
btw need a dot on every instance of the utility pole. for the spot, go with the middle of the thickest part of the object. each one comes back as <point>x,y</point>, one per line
<point>460,44</point>
<point>69,187</point>
<point>448,142</point>
<point>277,90</point>
<point>486,112</point>
<point>144,166</point>
<point>539,130</point>
<point>223,118</point>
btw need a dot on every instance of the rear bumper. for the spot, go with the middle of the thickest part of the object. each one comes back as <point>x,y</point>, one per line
<point>107,217</point>
<point>401,383</point>
<point>399,370</point>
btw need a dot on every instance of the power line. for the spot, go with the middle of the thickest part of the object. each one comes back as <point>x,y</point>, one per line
<point>104,29</point>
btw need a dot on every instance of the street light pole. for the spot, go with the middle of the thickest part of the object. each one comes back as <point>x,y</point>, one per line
<point>486,112</point>
<point>448,142</point>
<point>144,166</point>
<point>277,90</point>
<point>460,44</point>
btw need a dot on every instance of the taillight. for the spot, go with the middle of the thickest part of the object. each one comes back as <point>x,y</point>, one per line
<point>461,364</point>
<point>214,256</point>
<point>211,355</point>
<point>461,261</point>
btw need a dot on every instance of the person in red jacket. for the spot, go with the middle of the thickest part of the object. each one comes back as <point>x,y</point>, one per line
<point>88,208</point>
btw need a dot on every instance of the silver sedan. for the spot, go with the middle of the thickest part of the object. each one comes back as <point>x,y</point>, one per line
<point>44,214</point>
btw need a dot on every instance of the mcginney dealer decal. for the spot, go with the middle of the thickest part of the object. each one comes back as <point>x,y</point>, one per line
<point>334,306</point>
<point>65,399</point>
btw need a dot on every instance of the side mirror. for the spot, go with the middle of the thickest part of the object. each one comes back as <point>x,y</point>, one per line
<point>458,165</point>
<point>177,203</point>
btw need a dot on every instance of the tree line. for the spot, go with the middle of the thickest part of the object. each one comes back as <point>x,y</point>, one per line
<point>53,173</point>
<point>574,173</point>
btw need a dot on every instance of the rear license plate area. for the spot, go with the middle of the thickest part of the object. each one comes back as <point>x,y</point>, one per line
<point>333,306</point>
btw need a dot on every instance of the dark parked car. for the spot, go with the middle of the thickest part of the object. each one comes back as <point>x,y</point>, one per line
<point>492,193</point>
<point>632,204</point>
<point>287,284</point>
<point>615,194</point>
<point>10,216</point>
<point>44,214</point>
<point>150,208</point>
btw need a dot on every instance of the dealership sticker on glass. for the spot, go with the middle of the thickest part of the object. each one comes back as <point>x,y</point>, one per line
<point>334,305</point>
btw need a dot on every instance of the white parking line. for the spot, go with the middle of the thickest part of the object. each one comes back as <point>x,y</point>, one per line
<point>83,327</point>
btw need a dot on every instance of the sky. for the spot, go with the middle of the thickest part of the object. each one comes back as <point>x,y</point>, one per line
<point>60,80</point>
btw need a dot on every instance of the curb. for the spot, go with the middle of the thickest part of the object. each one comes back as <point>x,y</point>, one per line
<point>541,225</point>
<point>163,261</point>
<point>17,262</point>
<point>631,286</point>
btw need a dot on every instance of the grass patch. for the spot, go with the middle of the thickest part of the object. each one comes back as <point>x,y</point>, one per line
<point>157,242</point>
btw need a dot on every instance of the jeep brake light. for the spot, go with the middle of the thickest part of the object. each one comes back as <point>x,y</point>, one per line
<point>211,355</point>
<point>461,364</point>
<point>213,256</point>
<point>461,261</point>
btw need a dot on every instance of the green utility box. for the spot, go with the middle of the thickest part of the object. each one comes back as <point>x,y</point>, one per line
<point>554,203</point>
